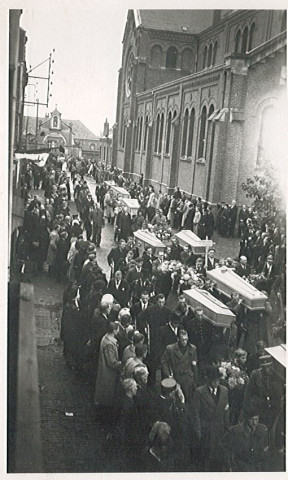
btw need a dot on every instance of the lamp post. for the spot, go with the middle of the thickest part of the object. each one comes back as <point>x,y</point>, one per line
<point>106,134</point>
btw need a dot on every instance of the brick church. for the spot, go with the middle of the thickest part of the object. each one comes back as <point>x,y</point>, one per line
<point>199,93</point>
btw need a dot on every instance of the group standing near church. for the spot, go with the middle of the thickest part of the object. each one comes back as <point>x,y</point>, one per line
<point>180,393</point>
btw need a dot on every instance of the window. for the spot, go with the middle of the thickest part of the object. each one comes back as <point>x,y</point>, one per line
<point>171,57</point>
<point>187,59</point>
<point>251,37</point>
<point>146,133</point>
<point>191,132</point>
<point>156,56</point>
<point>204,57</point>
<point>168,135</point>
<point>140,133</point>
<point>55,122</point>
<point>244,40</point>
<point>264,153</point>
<point>136,133</point>
<point>215,53</point>
<point>157,133</point>
<point>161,133</point>
<point>209,62</point>
<point>92,146</point>
<point>184,134</point>
<point>202,132</point>
<point>237,41</point>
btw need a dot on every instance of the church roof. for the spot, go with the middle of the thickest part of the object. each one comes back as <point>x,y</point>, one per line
<point>78,128</point>
<point>193,21</point>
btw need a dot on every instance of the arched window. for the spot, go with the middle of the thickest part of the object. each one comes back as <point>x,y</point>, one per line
<point>137,127</point>
<point>168,135</point>
<point>184,134</point>
<point>264,153</point>
<point>237,41</point>
<point>55,121</point>
<point>284,21</point>
<point>146,133</point>
<point>251,37</point>
<point>187,59</point>
<point>215,53</point>
<point>204,57</point>
<point>191,132</point>
<point>202,132</point>
<point>171,57</point>
<point>157,133</point>
<point>156,56</point>
<point>140,133</point>
<point>161,133</point>
<point>244,40</point>
<point>209,62</point>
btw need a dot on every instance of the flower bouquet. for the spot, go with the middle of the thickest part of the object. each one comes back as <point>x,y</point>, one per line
<point>232,376</point>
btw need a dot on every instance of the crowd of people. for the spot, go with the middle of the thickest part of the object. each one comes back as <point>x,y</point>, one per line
<point>179,394</point>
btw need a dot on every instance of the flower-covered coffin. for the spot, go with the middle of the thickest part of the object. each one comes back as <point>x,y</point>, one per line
<point>132,204</point>
<point>213,310</point>
<point>121,192</point>
<point>228,281</point>
<point>186,237</point>
<point>110,183</point>
<point>148,239</point>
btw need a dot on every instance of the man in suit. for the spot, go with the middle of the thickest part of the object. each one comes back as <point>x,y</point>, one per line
<point>119,288</point>
<point>180,361</point>
<point>169,332</point>
<point>243,269</point>
<point>98,223</point>
<point>148,259</point>
<point>232,218</point>
<point>267,275</point>
<point>138,308</point>
<point>211,419</point>
<point>162,280</point>
<point>115,255</point>
<point>200,334</point>
<point>211,260</point>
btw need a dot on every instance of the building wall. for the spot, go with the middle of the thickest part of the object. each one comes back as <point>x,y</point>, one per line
<point>230,83</point>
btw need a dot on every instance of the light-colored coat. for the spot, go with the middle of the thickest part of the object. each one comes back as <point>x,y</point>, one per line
<point>109,367</point>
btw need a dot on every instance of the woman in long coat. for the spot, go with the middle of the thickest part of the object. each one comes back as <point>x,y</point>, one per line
<point>109,367</point>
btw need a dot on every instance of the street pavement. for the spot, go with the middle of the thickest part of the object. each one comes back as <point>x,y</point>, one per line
<point>72,434</point>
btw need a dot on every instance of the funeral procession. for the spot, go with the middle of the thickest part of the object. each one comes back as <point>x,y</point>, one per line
<point>146,262</point>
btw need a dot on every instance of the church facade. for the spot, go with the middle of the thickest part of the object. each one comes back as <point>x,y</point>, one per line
<point>198,93</point>
<point>53,131</point>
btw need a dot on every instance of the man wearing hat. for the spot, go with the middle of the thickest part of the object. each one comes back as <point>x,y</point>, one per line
<point>98,223</point>
<point>265,387</point>
<point>211,419</point>
<point>246,444</point>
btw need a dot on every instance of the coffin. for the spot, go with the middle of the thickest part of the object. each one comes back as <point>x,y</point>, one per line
<point>186,237</point>
<point>110,183</point>
<point>148,239</point>
<point>120,191</point>
<point>228,281</point>
<point>132,204</point>
<point>213,310</point>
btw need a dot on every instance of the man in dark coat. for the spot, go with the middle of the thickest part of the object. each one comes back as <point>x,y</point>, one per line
<point>124,224</point>
<point>140,307</point>
<point>169,332</point>
<point>180,361</point>
<point>154,317</point>
<point>148,259</point>
<point>211,419</point>
<point>232,218</point>
<point>116,254</point>
<point>98,222</point>
<point>211,260</point>
<point>119,288</point>
<point>243,269</point>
